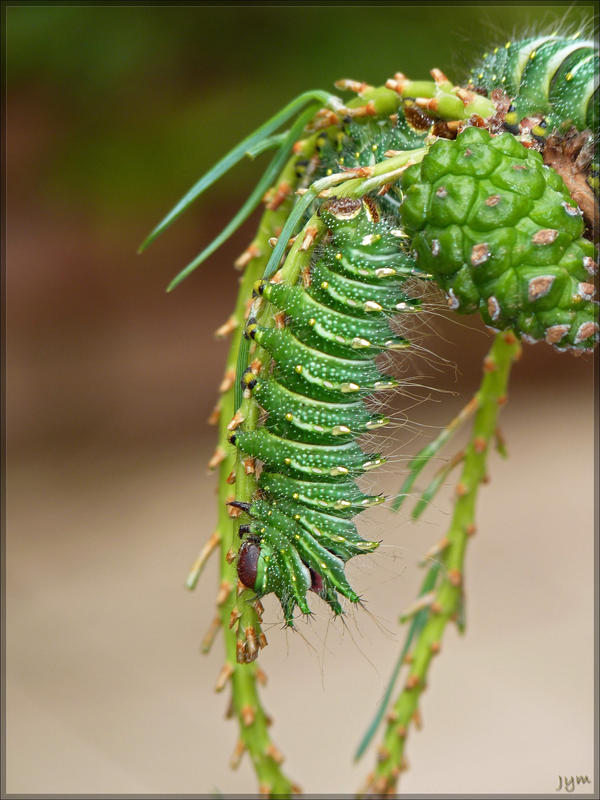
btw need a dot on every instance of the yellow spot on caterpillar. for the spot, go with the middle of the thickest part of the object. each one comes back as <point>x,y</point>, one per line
<point>532,55</point>
<point>494,77</point>
<point>289,417</point>
<point>357,154</point>
<point>341,160</point>
<point>296,516</point>
<point>312,321</point>
<point>324,285</point>
<point>480,75</point>
<point>338,256</point>
<point>507,45</point>
<point>295,496</point>
<point>495,50</point>
<point>297,536</point>
<point>298,368</point>
<point>287,461</point>
<point>374,148</point>
<point>569,76</point>
<point>485,55</point>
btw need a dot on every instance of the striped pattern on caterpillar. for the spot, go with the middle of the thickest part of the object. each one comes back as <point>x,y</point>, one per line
<point>323,368</point>
<point>552,76</point>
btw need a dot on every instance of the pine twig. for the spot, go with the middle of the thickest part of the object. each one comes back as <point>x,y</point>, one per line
<point>447,602</point>
<point>240,617</point>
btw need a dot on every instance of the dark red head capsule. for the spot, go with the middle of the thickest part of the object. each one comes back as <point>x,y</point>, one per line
<point>247,565</point>
<point>316,582</point>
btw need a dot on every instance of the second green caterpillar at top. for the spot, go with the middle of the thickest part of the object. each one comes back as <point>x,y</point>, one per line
<point>553,76</point>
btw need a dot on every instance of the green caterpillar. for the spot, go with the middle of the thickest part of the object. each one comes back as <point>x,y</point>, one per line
<point>551,76</point>
<point>301,532</point>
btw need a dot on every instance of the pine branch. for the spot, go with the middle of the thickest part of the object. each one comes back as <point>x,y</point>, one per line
<point>445,604</point>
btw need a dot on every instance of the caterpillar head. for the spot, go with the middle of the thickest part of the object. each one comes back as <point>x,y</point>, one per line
<point>251,567</point>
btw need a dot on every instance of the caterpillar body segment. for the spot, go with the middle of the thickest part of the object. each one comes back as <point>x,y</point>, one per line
<point>323,368</point>
<point>508,244</point>
<point>305,419</point>
<point>342,498</point>
<point>302,459</point>
<point>552,76</point>
<point>325,328</point>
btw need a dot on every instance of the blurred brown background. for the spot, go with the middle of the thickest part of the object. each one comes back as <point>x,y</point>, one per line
<point>112,113</point>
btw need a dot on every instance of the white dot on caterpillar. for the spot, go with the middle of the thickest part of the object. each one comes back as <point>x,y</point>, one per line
<point>385,272</point>
<point>339,470</point>
<point>338,430</point>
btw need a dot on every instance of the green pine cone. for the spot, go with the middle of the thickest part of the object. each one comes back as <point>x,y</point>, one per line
<point>500,233</point>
